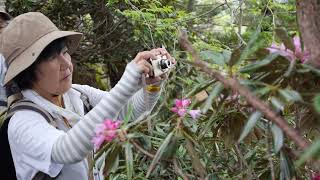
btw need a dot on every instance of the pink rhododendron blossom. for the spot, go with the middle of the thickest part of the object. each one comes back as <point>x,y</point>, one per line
<point>316,177</point>
<point>194,113</point>
<point>105,132</point>
<point>303,56</point>
<point>181,106</point>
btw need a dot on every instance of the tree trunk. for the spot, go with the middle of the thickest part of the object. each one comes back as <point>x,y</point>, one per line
<point>308,12</point>
<point>3,3</point>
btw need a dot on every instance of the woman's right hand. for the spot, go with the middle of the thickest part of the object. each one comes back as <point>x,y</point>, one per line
<point>142,60</point>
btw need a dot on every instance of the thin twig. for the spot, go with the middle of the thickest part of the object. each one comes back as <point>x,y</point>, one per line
<point>234,84</point>
<point>141,149</point>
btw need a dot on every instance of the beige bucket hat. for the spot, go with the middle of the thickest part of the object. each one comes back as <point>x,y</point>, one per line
<point>4,14</point>
<point>26,36</point>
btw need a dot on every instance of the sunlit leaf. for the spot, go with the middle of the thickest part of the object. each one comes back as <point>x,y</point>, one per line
<point>254,117</point>
<point>277,137</point>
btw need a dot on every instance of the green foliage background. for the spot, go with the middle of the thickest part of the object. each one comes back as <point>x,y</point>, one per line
<point>231,140</point>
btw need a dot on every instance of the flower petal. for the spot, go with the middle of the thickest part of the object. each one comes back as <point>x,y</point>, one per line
<point>182,112</point>
<point>186,102</point>
<point>194,113</point>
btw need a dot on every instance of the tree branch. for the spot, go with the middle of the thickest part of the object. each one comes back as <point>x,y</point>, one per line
<point>234,84</point>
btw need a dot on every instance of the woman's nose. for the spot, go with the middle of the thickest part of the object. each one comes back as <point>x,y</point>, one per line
<point>65,61</point>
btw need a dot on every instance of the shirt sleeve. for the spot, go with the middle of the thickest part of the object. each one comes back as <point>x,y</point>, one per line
<point>33,138</point>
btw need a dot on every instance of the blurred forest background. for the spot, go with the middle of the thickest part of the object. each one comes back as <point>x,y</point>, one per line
<point>234,138</point>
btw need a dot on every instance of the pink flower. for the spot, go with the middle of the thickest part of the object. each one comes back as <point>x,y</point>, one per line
<point>194,113</point>
<point>289,54</point>
<point>316,177</point>
<point>106,131</point>
<point>181,106</point>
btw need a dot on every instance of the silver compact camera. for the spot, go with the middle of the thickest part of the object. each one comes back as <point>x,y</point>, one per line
<point>161,65</point>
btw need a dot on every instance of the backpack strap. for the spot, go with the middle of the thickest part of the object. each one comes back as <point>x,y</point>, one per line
<point>29,105</point>
<point>85,99</point>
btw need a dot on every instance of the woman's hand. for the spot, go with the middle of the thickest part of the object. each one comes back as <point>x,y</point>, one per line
<point>143,61</point>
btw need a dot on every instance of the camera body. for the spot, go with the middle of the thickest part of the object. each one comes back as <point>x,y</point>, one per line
<point>161,65</point>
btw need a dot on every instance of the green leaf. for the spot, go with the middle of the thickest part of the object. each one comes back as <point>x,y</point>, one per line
<point>129,159</point>
<point>251,47</point>
<point>283,35</point>
<point>277,103</point>
<point>258,64</point>
<point>213,94</point>
<point>128,115</point>
<point>284,167</point>
<point>309,153</point>
<point>316,103</point>
<point>262,91</point>
<point>235,56</point>
<point>159,153</point>
<point>254,117</point>
<point>200,87</point>
<point>313,69</point>
<point>213,57</point>
<point>290,95</point>
<point>277,137</point>
<point>195,160</point>
<point>110,159</point>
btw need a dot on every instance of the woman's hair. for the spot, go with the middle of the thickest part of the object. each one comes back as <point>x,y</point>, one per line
<point>27,77</point>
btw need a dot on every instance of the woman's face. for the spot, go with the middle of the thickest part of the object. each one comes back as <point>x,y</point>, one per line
<point>54,75</point>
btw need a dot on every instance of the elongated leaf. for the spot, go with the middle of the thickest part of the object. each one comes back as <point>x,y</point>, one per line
<point>277,103</point>
<point>277,137</point>
<point>128,115</point>
<point>262,91</point>
<point>309,153</point>
<point>129,159</point>
<point>235,56</point>
<point>213,57</point>
<point>313,69</point>
<point>159,153</point>
<point>284,167</point>
<point>214,93</point>
<point>111,159</point>
<point>251,47</point>
<point>290,95</point>
<point>200,87</point>
<point>196,163</point>
<point>171,149</point>
<point>316,103</point>
<point>283,35</point>
<point>254,117</point>
<point>258,64</point>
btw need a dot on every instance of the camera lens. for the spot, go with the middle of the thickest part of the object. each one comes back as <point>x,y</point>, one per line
<point>165,63</point>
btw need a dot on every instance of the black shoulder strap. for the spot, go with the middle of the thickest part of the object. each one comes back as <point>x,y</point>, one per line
<point>85,99</point>
<point>29,105</point>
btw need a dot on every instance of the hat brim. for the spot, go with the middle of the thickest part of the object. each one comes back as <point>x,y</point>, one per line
<point>30,55</point>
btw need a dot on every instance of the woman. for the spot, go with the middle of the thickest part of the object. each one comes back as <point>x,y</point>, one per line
<point>38,54</point>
